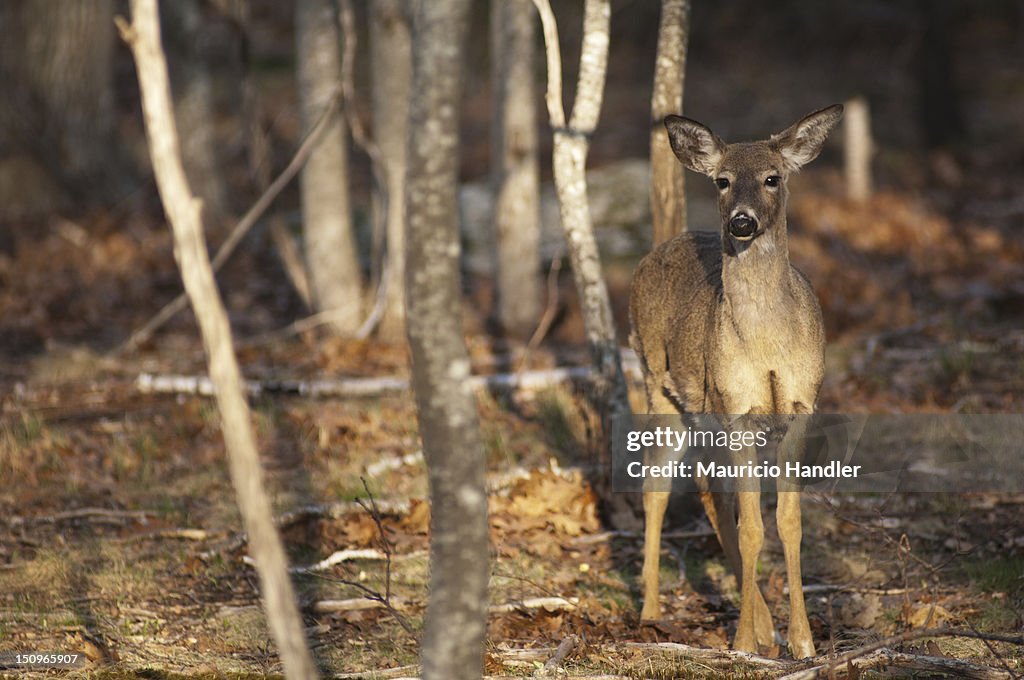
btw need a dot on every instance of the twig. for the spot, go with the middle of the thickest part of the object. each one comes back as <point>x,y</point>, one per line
<point>564,649</point>
<point>250,218</point>
<point>549,312</point>
<point>384,599</point>
<point>382,536</point>
<point>995,653</point>
<point>294,267</point>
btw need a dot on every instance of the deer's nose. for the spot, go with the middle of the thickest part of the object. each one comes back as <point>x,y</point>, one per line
<point>742,226</point>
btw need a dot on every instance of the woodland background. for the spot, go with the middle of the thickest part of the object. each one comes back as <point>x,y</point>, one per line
<point>119,532</point>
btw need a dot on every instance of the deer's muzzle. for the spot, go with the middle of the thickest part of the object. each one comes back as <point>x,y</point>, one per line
<point>742,226</point>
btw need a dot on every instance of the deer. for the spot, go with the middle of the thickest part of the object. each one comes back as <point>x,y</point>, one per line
<point>723,324</point>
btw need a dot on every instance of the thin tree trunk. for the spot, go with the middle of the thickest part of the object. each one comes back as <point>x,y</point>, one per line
<point>668,189</point>
<point>329,245</point>
<point>391,62</point>
<point>193,104</point>
<point>183,211</point>
<point>516,172</point>
<point>449,424</point>
<point>570,156</point>
<point>57,111</point>
<point>858,149</point>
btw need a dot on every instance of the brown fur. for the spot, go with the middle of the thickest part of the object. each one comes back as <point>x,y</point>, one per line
<point>724,324</point>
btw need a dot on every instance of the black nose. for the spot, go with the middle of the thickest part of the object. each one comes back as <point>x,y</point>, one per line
<point>742,226</point>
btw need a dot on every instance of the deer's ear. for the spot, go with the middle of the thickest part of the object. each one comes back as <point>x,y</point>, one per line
<point>801,143</point>
<point>697,147</point>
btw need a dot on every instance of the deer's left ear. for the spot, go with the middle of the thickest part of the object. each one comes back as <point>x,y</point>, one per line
<point>801,143</point>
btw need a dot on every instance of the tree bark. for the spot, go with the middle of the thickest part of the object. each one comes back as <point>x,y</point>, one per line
<point>668,189</point>
<point>570,155</point>
<point>449,424</point>
<point>57,112</point>
<point>183,212</point>
<point>329,245</point>
<point>391,64</point>
<point>858,149</point>
<point>516,172</point>
<point>193,104</point>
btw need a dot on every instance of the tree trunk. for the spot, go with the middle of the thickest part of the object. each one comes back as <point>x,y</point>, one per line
<point>57,112</point>
<point>329,245</point>
<point>570,156</point>
<point>858,149</point>
<point>449,424</point>
<point>516,173</point>
<point>193,104</point>
<point>391,62</point>
<point>668,194</point>
<point>183,212</point>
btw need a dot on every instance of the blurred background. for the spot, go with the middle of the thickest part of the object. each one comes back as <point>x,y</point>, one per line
<point>84,257</point>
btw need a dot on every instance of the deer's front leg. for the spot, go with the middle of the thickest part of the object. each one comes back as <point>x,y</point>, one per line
<point>655,503</point>
<point>751,534</point>
<point>801,644</point>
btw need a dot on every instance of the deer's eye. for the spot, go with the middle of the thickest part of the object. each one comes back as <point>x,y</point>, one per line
<point>722,183</point>
<point>772,181</point>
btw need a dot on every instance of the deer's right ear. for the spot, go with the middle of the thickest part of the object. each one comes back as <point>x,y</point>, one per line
<point>697,147</point>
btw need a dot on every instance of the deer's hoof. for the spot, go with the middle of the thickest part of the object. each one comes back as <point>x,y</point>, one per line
<point>745,642</point>
<point>651,611</point>
<point>802,649</point>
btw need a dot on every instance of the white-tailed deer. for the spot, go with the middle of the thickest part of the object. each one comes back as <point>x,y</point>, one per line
<point>724,324</point>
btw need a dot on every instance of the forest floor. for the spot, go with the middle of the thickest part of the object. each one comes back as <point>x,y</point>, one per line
<point>119,534</point>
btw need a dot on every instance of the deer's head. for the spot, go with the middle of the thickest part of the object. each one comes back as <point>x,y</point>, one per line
<point>751,176</point>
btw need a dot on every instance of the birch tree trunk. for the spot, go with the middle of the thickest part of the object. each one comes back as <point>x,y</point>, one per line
<point>183,212</point>
<point>572,143</point>
<point>329,245</point>
<point>516,173</point>
<point>391,64</point>
<point>449,424</point>
<point>668,194</point>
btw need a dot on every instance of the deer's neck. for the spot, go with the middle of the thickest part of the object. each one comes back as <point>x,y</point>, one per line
<point>756,277</point>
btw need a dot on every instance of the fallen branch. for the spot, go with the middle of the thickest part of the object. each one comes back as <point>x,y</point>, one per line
<point>348,605</point>
<point>338,557</point>
<point>348,388</point>
<point>550,604</point>
<point>849,588</point>
<point>713,657</point>
<point>908,663</point>
<point>883,645</point>
<point>400,671</point>
<point>97,514</point>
